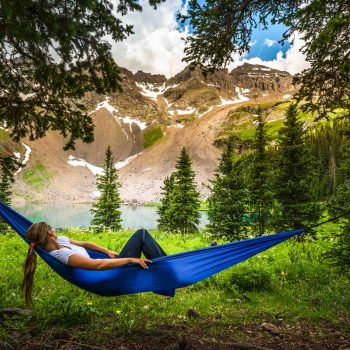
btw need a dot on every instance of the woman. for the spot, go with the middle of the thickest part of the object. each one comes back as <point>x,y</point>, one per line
<point>74,253</point>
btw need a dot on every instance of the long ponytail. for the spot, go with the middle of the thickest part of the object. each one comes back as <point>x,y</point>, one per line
<point>29,270</point>
<point>36,234</point>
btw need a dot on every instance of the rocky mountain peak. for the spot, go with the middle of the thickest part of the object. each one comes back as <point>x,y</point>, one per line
<point>257,69</point>
<point>148,78</point>
<point>260,79</point>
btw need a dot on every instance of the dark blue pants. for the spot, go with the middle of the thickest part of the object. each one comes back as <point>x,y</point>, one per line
<point>141,242</point>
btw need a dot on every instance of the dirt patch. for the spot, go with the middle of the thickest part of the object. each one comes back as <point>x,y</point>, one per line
<point>206,334</point>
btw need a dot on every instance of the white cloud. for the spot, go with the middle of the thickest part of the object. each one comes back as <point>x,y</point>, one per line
<point>157,46</point>
<point>293,62</point>
<point>269,42</point>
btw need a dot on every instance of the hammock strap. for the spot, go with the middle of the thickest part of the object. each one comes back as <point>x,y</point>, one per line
<point>334,218</point>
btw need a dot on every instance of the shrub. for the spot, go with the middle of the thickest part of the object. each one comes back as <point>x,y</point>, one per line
<point>252,278</point>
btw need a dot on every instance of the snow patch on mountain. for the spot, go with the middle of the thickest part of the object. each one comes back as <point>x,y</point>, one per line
<point>81,162</point>
<point>188,110</point>
<point>26,157</point>
<point>207,111</point>
<point>126,161</point>
<point>126,119</point>
<point>150,90</point>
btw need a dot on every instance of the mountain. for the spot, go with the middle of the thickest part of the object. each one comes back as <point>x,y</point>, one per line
<point>261,80</point>
<point>146,125</point>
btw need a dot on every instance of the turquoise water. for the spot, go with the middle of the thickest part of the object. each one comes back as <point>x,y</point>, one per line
<point>78,215</point>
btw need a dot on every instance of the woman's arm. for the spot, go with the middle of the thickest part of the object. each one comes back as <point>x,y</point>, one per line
<point>81,261</point>
<point>95,247</point>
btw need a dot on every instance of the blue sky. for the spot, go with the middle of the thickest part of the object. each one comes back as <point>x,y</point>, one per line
<point>265,43</point>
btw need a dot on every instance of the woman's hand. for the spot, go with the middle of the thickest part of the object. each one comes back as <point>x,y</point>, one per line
<point>112,254</point>
<point>142,262</point>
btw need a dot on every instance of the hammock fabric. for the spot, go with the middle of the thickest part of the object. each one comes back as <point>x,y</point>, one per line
<point>163,276</point>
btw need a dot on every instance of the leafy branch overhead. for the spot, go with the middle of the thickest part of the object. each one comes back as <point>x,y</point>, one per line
<point>221,28</point>
<point>51,54</point>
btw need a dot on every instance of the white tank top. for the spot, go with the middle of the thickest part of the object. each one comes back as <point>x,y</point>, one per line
<point>63,254</point>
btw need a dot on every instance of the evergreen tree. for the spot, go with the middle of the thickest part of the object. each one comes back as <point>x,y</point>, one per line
<point>339,254</point>
<point>165,222</point>
<point>295,176</point>
<point>106,211</point>
<point>7,167</point>
<point>325,141</point>
<point>261,194</point>
<point>185,203</point>
<point>228,198</point>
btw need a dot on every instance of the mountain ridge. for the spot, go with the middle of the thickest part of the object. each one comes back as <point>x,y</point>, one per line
<point>188,110</point>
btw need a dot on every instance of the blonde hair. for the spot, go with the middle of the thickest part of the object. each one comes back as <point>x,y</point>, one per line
<point>37,234</point>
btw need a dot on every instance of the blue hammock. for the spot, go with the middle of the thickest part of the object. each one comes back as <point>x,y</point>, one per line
<point>163,276</point>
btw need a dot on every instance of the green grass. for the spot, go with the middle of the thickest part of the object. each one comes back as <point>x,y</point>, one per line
<point>152,135</point>
<point>6,143</point>
<point>240,120</point>
<point>254,108</point>
<point>4,136</point>
<point>204,206</point>
<point>290,281</point>
<point>36,175</point>
<point>151,204</point>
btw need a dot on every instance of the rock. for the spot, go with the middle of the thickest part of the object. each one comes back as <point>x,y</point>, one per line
<point>315,301</point>
<point>13,311</point>
<point>269,327</point>
<point>259,78</point>
<point>5,346</point>
<point>122,347</point>
<point>192,313</point>
<point>149,78</point>
<point>212,244</point>
<point>246,297</point>
<point>181,344</point>
<point>34,331</point>
<point>61,335</point>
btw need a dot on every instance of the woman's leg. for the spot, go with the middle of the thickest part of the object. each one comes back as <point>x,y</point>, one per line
<point>141,241</point>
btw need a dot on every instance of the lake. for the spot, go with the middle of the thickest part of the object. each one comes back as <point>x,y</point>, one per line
<point>78,215</point>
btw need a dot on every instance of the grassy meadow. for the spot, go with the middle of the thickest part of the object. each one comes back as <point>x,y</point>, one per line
<point>290,284</point>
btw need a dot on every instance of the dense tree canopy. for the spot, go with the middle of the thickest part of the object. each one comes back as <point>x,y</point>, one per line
<point>51,54</point>
<point>221,28</point>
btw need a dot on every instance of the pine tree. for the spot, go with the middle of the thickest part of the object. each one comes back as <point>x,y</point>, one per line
<point>184,208</point>
<point>164,221</point>
<point>295,175</point>
<point>339,254</point>
<point>106,211</point>
<point>261,194</point>
<point>228,198</point>
<point>7,167</point>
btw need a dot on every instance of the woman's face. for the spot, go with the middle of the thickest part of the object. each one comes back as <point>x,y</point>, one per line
<point>52,232</point>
